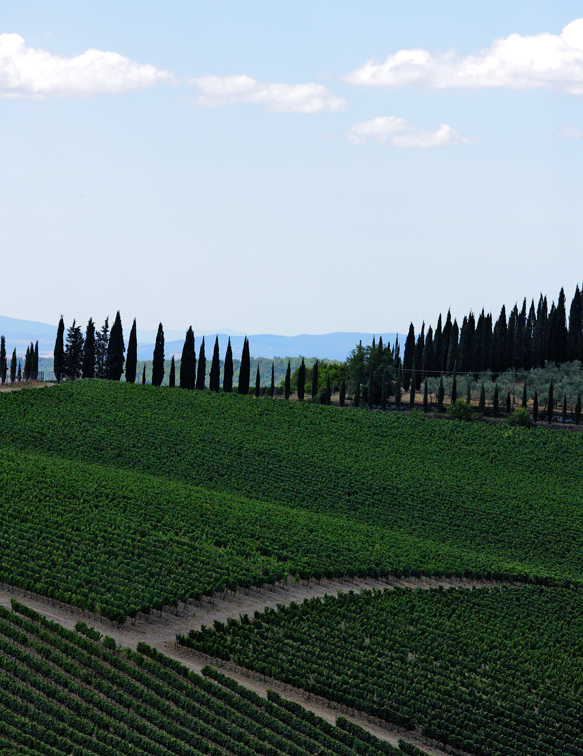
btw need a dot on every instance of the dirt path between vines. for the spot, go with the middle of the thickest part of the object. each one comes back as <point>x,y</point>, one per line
<point>160,631</point>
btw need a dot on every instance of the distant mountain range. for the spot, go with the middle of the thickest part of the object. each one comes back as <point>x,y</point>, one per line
<point>331,346</point>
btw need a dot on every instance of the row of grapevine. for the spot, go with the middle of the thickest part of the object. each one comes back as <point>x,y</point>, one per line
<point>63,693</point>
<point>488,671</point>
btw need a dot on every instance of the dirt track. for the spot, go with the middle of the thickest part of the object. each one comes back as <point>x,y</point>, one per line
<point>160,632</point>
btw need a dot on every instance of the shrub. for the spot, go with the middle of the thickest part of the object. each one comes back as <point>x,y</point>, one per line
<point>461,410</point>
<point>519,417</point>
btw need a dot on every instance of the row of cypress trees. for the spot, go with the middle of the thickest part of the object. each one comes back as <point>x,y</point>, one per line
<point>30,372</point>
<point>526,339</point>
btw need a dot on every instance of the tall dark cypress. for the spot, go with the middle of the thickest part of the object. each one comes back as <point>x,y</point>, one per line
<point>287,383</point>
<point>578,409</point>
<point>425,396</point>
<point>301,381</point>
<point>438,347</point>
<point>228,369</point>
<point>408,357</point>
<point>115,350</point>
<point>3,365</point>
<point>132,357</point>
<point>418,357</point>
<point>35,362</point>
<point>342,395</point>
<point>445,339</point>
<point>172,376</point>
<point>257,383</point>
<point>13,367</point>
<point>215,374</point>
<point>27,365</point>
<point>453,349</point>
<point>524,396</point>
<point>428,354</point>
<point>560,329</point>
<point>244,369</point>
<point>272,387</point>
<point>188,362</point>
<point>412,389</point>
<point>315,371</point>
<point>500,343</point>
<point>576,326</point>
<point>89,351</point>
<point>398,391</point>
<point>58,355</point>
<point>508,403</point>
<point>158,359</point>
<point>201,368</point>
<point>482,401</point>
<point>496,401</point>
<point>144,376</point>
<point>74,352</point>
<point>384,391</point>
<point>454,386</point>
<point>101,342</point>
<point>565,408</point>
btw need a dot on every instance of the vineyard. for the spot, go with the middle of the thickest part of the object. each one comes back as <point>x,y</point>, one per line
<point>488,671</point>
<point>125,500</point>
<point>62,692</point>
<point>190,493</point>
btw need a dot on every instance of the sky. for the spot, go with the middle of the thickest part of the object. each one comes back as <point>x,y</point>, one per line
<point>288,167</point>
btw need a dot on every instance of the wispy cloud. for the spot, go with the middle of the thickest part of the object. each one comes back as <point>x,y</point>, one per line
<point>217,91</point>
<point>554,61</point>
<point>399,133</point>
<point>571,132</point>
<point>29,72</point>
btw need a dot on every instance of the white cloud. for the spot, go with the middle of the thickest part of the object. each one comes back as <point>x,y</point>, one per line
<point>554,61</point>
<point>399,133</point>
<point>27,72</point>
<point>571,132</point>
<point>216,91</point>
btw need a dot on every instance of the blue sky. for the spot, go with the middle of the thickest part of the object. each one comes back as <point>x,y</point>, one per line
<point>288,167</point>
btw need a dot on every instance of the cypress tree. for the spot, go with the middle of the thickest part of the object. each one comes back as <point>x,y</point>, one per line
<point>328,389</point>
<point>115,351</point>
<point>453,350</point>
<point>188,362</point>
<point>13,367</point>
<point>342,397</point>
<point>496,401</point>
<point>89,351</point>
<point>356,400</point>
<point>58,355</point>
<point>482,402</point>
<point>524,396</point>
<point>409,357</point>
<point>315,381</point>
<point>272,388</point>
<point>144,376</point>
<point>301,381</point>
<point>370,385</point>
<point>27,367</point>
<point>440,395</point>
<point>244,369</point>
<point>35,363</point>
<point>201,369</point>
<point>508,403</point>
<point>425,397</point>
<point>469,391</point>
<point>74,352</point>
<point>132,358</point>
<point>535,406</point>
<point>564,409</point>
<point>445,339</point>
<point>454,385</point>
<point>3,365</point>
<point>384,392</point>
<point>101,342</point>
<point>215,374</point>
<point>158,359</point>
<point>257,383</point>
<point>412,389</point>
<point>551,402</point>
<point>578,410</point>
<point>172,376</point>
<point>19,375</point>
<point>287,384</point>
<point>228,369</point>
